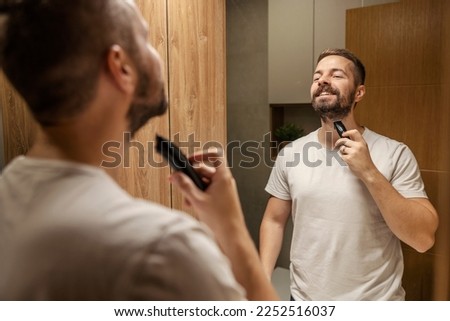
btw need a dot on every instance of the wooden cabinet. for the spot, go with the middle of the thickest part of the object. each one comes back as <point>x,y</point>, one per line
<point>2,159</point>
<point>405,49</point>
<point>197,74</point>
<point>190,37</point>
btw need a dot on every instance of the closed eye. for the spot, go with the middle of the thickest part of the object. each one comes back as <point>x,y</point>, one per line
<point>316,77</point>
<point>339,73</point>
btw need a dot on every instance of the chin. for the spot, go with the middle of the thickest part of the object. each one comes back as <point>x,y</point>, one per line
<point>140,114</point>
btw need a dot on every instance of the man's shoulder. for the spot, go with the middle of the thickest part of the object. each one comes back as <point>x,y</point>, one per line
<point>375,139</point>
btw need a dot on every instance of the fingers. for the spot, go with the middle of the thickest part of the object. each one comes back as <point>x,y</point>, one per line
<point>216,162</point>
<point>208,157</point>
<point>351,137</point>
<point>186,186</point>
<point>342,142</point>
<point>208,165</point>
<point>354,135</point>
<point>211,166</point>
<point>205,171</point>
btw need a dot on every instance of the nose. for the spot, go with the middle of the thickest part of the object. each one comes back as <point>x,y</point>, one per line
<point>323,80</point>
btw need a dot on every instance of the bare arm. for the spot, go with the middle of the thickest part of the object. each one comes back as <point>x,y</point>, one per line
<point>413,220</point>
<point>271,232</point>
<point>219,208</point>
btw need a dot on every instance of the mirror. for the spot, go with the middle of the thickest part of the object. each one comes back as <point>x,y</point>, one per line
<point>259,33</point>
<point>251,90</point>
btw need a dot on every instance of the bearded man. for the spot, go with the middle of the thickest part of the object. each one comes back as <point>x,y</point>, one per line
<point>67,230</point>
<point>352,199</point>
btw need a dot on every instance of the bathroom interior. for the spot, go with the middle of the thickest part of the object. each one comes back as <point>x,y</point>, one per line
<point>237,70</point>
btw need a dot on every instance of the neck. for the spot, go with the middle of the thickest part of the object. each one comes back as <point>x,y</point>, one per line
<point>328,135</point>
<point>70,145</point>
<point>80,140</point>
<point>84,137</point>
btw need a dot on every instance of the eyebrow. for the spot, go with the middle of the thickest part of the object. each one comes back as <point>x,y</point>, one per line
<point>332,70</point>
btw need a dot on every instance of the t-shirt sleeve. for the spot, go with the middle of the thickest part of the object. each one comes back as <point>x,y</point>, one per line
<point>406,178</point>
<point>186,264</point>
<point>278,184</point>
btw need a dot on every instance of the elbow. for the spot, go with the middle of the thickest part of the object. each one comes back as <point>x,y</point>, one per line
<point>426,244</point>
<point>428,239</point>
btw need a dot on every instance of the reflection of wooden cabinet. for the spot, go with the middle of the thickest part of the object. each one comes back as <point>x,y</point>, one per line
<point>190,37</point>
<point>405,47</point>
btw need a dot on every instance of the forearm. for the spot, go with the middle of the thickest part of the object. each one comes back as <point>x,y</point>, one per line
<point>411,221</point>
<point>270,242</point>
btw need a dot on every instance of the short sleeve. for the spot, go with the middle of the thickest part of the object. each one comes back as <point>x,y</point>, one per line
<point>278,184</point>
<point>406,177</point>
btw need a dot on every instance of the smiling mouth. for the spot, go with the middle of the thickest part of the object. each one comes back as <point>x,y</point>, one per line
<point>324,91</point>
<point>322,94</point>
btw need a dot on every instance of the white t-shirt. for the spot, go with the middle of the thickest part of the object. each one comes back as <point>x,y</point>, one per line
<point>69,232</point>
<point>341,247</point>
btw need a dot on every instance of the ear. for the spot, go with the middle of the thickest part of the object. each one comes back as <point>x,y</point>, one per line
<point>120,69</point>
<point>360,92</point>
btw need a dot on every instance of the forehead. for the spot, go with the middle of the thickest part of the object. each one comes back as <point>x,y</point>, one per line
<point>335,62</point>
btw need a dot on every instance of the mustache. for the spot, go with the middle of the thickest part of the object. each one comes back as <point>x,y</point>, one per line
<point>326,88</point>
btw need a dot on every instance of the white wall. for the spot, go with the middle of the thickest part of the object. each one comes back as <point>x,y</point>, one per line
<point>329,23</point>
<point>291,24</point>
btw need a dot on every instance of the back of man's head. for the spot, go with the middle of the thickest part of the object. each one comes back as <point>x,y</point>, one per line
<point>52,51</point>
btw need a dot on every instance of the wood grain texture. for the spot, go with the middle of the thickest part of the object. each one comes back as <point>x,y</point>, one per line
<point>442,266</point>
<point>400,44</point>
<point>19,128</point>
<point>405,47</point>
<point>197,69</point>
<point>402,41</point>
<point>409,114</point>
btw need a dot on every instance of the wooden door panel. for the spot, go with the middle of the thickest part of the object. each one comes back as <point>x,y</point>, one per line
<point>197,74</point>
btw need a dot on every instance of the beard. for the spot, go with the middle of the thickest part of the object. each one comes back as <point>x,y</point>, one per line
<point>336,110</point>
<point>141,111</point>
